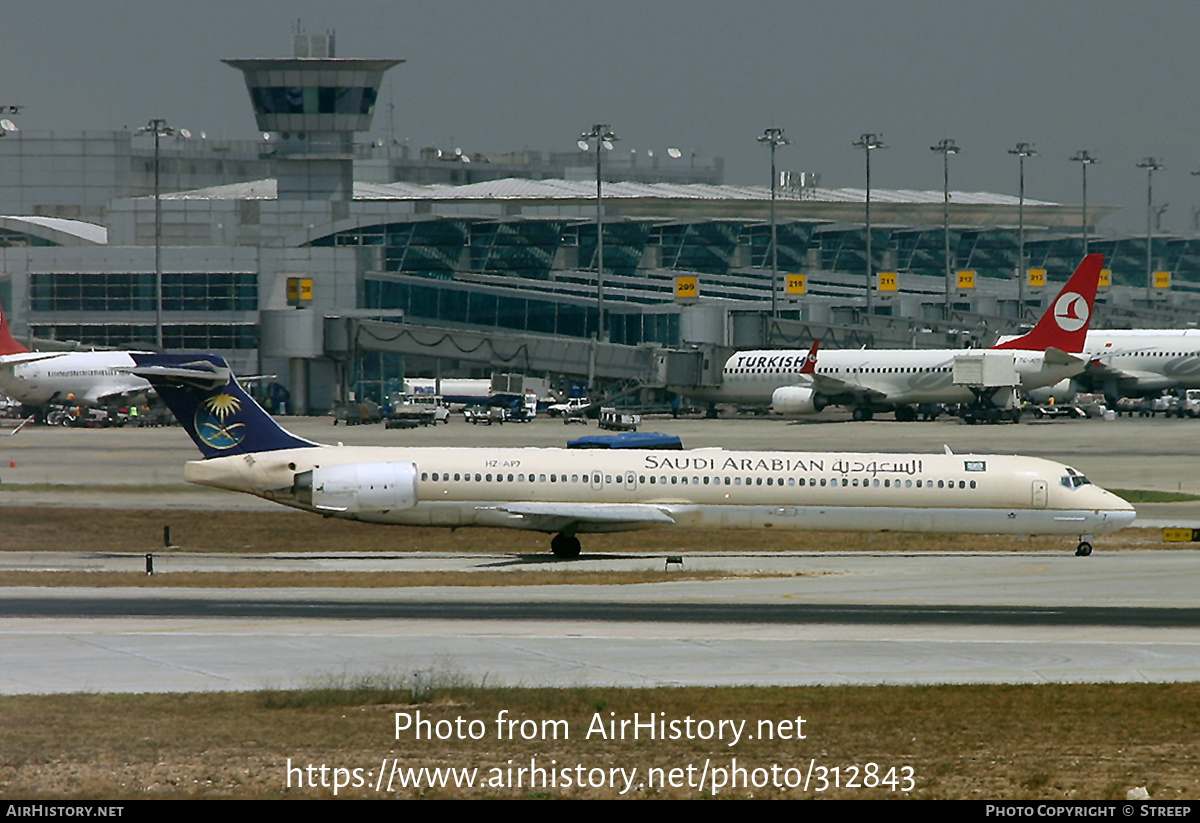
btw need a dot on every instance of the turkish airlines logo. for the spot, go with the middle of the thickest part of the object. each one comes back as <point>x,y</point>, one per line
<point>1071,311</point>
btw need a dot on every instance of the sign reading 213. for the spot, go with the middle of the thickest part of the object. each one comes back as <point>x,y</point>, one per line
<point>212,422</point>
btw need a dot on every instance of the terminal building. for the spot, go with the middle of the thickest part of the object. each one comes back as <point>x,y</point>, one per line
<point>452,262</point>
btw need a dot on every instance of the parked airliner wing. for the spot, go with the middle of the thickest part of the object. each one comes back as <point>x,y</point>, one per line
<point>1058,357</point>
<point>1102,373</point>
<point>827,384</point>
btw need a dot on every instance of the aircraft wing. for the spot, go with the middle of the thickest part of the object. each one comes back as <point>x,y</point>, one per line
<point>102,391</point>
<point>559,516</point>
<point>1099,373</point>
<point>1058,357</point>
<point>835,386</point>
<point>1098,368</point>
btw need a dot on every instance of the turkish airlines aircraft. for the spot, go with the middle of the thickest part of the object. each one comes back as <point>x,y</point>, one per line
<point>567,493</point>
<point>1132,362</point>
<point>1135,363</point>
<point>874,380</point>
<point>84,378</point>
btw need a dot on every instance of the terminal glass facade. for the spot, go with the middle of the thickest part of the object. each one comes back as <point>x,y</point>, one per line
<point>10,239</point>
<point>134,291</point>
<point>192,336</point>
<point>546,253</point>
<point>471,304</point>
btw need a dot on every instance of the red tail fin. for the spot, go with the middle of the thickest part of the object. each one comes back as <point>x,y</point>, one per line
<point>7,344</point>
<point>1065,324</point>
<point>810,359</point>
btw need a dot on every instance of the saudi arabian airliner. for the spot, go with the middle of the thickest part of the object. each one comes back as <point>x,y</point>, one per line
<point>567,493</point>
<point>876,380</point>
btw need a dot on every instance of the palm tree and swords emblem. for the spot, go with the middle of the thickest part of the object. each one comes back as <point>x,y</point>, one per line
<point>211,421</point>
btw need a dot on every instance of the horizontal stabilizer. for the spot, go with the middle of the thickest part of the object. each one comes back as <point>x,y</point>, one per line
<point>201,374</point>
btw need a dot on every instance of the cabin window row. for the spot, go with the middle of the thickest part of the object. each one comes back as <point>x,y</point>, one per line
<point>848,370</point>
<point>697,480</point>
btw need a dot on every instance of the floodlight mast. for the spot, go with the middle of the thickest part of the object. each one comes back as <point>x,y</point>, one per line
<point>868,143</point>
<point>159,128</point>
<point>1084,159</point>
<point>774,138</point>
<point>947,147</point>
<point>604,138</point>
<point>1151,165</point>
<point>1022,151</point>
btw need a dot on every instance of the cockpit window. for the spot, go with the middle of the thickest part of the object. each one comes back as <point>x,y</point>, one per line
<point>1073,479</point>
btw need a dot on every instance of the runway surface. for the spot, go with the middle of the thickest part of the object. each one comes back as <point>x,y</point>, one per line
<point>973,618</point>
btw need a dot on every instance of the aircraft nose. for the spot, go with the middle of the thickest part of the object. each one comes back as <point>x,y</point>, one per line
<point>1118,511</point>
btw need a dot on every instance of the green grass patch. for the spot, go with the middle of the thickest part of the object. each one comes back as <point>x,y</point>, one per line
<point>1151,496</point>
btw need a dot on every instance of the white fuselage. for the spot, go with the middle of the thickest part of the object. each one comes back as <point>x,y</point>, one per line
<point>903,376</point>
<point>79,377</point>
<point>593,490</point>
<point>1147,359</point>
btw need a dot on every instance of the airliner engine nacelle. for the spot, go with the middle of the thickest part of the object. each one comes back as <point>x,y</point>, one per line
<point>796,400</point>
<point>358,487</point>
<point>1061,392</point>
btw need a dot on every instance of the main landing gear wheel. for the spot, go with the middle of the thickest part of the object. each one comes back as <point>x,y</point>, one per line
<point>565,546</point>
<point>860,413</point>
<point>1083,549</point>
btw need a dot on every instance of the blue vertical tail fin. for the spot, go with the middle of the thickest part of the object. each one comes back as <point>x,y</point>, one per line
<point>216,412</point>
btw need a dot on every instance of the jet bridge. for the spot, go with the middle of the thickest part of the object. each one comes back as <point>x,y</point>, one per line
<point>510,351</point>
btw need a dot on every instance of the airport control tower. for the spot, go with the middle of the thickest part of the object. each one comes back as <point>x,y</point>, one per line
<point>313,103</point>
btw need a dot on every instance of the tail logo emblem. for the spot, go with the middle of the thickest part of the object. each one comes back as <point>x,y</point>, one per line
<point>1071,311</point>
<point>213,422</point>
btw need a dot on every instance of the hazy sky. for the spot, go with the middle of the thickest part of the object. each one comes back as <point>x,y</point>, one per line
<point>1115,78</point>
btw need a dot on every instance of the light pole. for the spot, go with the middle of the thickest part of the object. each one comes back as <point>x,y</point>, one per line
<point>868,143</point>
<point>774,138</point>
<point>604,139</point>
<point>947,147</point>
<point>1084,159</point>
<point>1022,151</point>
<point>1151,165</point>
<point>1195,211</point>
<point>159,128</point>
